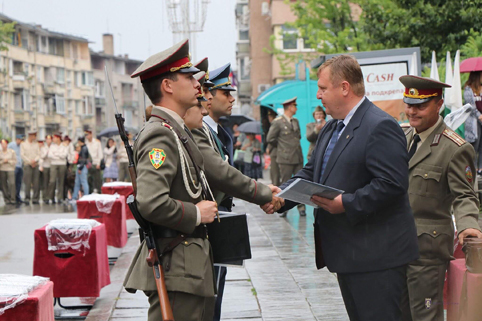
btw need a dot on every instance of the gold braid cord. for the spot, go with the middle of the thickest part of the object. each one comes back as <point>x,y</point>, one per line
<point>420,96</point>
<point>220,85</point>
<point>186,65</point>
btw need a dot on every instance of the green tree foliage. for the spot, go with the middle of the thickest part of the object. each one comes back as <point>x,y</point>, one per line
<point>438,25</point>
<point>6,31</point>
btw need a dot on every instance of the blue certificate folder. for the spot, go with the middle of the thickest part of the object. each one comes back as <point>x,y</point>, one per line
<point>230,238</point>
<point>301,191</point>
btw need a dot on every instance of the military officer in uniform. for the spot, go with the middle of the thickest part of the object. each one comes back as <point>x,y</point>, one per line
<point>285,135</point>
<point>272,150</point>
<point>30,153</point>
<point>219,170</point>
<point>170,191</point>
<point>441,183</point>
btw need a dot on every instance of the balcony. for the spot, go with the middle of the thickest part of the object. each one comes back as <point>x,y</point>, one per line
<point>53,119</point>
<point>99,101</point>
<point>242,48</point>
<point>19,81</point>
<point>49,88</point>
<point>21,116</point>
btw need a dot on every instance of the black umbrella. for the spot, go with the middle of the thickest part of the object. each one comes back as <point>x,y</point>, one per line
<point>251,127</point>
<point>229,121</point>
<point>113,131</point>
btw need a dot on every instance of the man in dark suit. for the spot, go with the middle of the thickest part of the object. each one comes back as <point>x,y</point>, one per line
<point>366,235</point>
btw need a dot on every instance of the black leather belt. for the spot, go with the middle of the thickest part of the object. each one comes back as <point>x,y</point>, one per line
<point>165,232</point>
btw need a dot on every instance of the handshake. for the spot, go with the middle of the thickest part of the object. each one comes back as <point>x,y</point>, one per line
<point>276,203</point>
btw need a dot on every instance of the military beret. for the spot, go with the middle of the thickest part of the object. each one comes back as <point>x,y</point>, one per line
<point>419,90</point>
<point>174,59</point>
<point>220,78</point>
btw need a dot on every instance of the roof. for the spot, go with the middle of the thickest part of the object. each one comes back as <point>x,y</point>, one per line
<point>43,31</point>
<point>104,55</point>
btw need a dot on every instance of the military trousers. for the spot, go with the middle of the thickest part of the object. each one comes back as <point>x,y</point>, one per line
<point>57,179</point>
<point>185,307</point>
<point>95,179</point>
<point>287,171</point>
<point>7,181</point>
<point>274,172</point>
<point>44,183</point>
<point>31,179</point>
<point>423,298</point>
<point>124,172</point>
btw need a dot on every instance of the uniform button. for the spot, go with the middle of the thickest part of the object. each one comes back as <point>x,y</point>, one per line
<point>186,242</point>
<point>434,232</point>
<point>426,175</point>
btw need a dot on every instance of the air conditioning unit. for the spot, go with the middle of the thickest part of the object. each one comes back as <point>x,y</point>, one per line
<point>265,8</point>
<point>263,87</point>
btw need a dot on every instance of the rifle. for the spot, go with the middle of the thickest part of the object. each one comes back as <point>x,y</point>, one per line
<point>153,259</point>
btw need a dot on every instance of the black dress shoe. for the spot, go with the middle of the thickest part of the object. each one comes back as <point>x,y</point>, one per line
<point>53,201</point>
<point>35,202</point>
<point>302,213</point>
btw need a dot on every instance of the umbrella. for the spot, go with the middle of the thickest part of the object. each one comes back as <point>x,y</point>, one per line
<point>252,127</point>
<point>456,118</point>
<point>113,131</point>
<point>471,64</point>
<point>229,121</point>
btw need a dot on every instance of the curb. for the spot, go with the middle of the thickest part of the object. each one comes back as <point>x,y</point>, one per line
<point>104,306</point>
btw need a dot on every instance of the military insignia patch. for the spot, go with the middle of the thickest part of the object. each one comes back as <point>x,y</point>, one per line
<point>157,157</point>
<point>428,303</point>
<point>468,174</point>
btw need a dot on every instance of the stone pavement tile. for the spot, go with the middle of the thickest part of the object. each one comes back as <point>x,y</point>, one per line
<point>129,313</point>
<point>236,274</point>
<point>239,301</point>
<point>129,301</point>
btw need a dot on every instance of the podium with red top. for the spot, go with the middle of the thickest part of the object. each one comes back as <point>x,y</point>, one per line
<point>73,257</point>
<point>122,188</point>
<point>109,210</point>
<point>27,302</point>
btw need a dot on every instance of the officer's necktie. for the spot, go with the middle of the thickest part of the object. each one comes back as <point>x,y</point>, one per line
<point>331,146</point>
<point>413,149</point>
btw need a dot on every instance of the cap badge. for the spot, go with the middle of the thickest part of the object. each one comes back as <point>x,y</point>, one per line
<point>413,92</point>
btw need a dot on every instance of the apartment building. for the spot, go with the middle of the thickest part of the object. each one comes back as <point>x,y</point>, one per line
<point>46,82</point>
<point>128,92</point>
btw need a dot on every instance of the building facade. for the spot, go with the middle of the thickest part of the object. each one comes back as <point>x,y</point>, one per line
<point>46,83</point>
<point>128,92</point>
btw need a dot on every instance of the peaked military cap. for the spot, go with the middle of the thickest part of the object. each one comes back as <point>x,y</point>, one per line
<point>32,132</point>
<point>220,78</point>
<point>200,76</point>
<point>59,135</point>
<point>289,101</point>
<point>419,90</point>
<point>174,59</point>
<point>203,66</point>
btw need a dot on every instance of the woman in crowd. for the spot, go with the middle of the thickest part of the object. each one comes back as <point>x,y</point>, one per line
<point>252,157</point>
<point>473,124</point>
<point>111,170</point>
<point>82,169</point>
<point>238,139</point>
<point>8,159</point>
<point>313,129</point>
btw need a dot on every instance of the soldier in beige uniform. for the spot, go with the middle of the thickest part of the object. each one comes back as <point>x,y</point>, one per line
<point>124,161</point>
<point>58,153</point>
<point>30,153</point>
<point>95,151</point>
<point>169,191</point>
<point>285,135</point>
<point>313,129</point>
<point>44,167</point>
<point>8,159</point>
<point>441,184</point>
<point>272,150</point>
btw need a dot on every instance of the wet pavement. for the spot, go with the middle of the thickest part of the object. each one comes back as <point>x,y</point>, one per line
<point>280,282</point>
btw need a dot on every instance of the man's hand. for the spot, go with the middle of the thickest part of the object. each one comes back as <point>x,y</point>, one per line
<point>98,166</point>
<point>319,126</point>
<point>334,206</point>
<point>208,210</point>
<point>276,202</point>
<point>41,169</point>
<point>469,232</point>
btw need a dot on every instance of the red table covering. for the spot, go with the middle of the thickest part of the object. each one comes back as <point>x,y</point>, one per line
<point>115,221</point>
<point>79,275</point>
<point>470,300</point>
<point>39,306</point>
<point>121,190</point>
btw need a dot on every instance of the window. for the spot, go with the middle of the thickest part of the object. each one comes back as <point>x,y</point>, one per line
<point>244,68</point>
<point>60,104</point>
<point>21,100</point>
<point>17,68</point>
<point>306,45</point>
<point>87,78</point>
<point>26,69</point>
<point>128,117</point>
<point>39,73</point>
<point>77,107</point>
<point>60,75</point>
<point>40,105</point>
<point>88,106</point>
<point>76,79</point>
<point>290,38</point>
<point>99,88</point>
<point>243,34</point>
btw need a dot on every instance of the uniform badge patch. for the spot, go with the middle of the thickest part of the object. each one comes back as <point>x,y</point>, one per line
<point>468,174</point>
<point>157,157</point>
<point>428,303</point>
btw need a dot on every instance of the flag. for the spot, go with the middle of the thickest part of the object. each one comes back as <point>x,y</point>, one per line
<point>434,68</point>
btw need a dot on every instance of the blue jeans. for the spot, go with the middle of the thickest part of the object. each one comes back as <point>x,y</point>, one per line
<point>80,179</point>
<point>18,182</point>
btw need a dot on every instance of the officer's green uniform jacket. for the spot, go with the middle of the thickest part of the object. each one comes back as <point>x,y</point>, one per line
<point>163,200</point>
<point>223,178</point>
<point>441,182</point>
<point>311,136</point>
<point>285,136</point>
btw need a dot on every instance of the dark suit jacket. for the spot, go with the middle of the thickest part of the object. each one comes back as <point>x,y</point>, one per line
<point>370,163</point>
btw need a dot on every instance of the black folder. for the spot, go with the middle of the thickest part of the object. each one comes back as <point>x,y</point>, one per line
<point>230,238</point>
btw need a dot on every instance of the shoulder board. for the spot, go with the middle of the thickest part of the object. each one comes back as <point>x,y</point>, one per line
<point>166,125</point>
<point>453,136</point>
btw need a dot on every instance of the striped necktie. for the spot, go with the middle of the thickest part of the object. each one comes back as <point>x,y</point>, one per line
<point>331,146</point>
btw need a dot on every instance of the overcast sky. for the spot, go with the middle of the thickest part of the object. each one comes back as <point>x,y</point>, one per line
<point>140,27</point>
